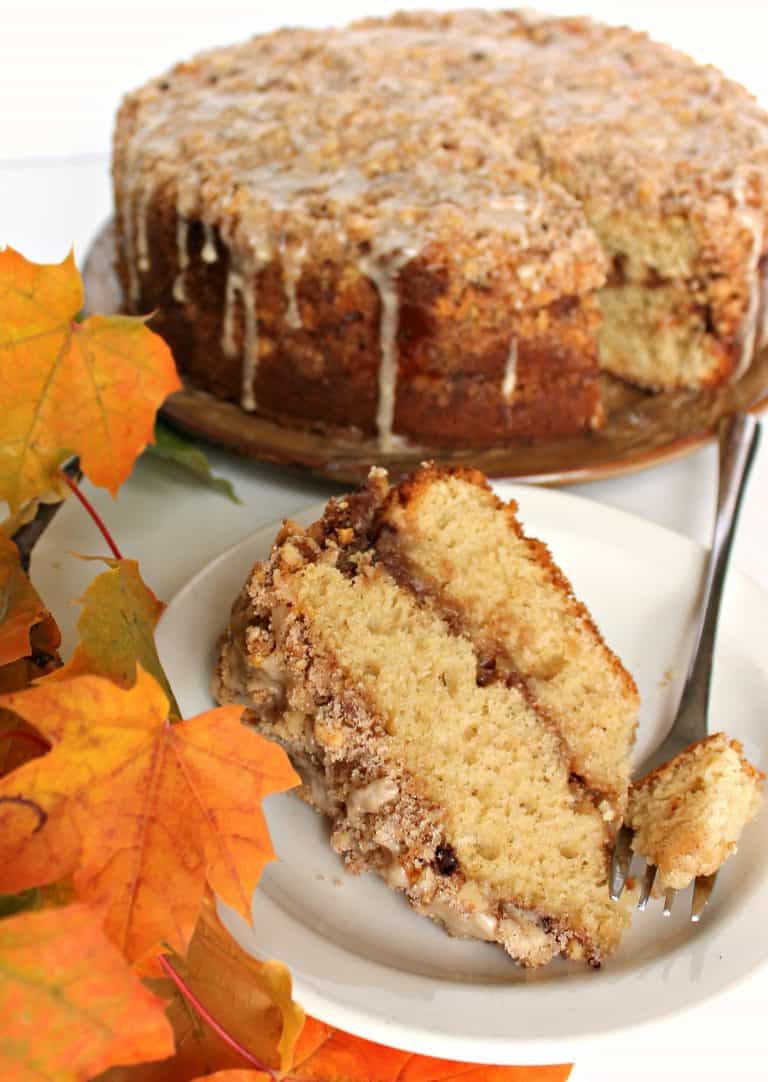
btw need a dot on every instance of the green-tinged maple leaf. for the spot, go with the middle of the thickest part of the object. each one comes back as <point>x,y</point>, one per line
<point>89,388</point>
<point>116,629</point>
<point>170,446</point>
<point>69,1004</point>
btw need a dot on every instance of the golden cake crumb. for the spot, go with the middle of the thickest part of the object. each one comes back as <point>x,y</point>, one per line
<point>689,813</point>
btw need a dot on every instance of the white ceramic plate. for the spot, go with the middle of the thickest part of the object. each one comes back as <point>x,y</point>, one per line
<point>363,960</point>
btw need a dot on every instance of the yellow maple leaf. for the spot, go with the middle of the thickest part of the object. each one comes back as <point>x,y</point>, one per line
<point>88,388</point>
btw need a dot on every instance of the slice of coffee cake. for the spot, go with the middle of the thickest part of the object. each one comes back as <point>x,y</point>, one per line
<point>450,707</point>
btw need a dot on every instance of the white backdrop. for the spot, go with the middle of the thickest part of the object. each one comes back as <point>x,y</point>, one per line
<point>64,65</point>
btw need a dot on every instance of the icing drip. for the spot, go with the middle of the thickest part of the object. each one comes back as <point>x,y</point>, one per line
<point>293,262</point>
<point>208,253</point>
<point>242,280</point>
<point>182,256</point>
<point>383,269</point>
<point>509,382</point>
<point>385,281</point>
<point>251,344</point>
<point>234,286</point>
<point>142,239</point>
<point>259,245</point>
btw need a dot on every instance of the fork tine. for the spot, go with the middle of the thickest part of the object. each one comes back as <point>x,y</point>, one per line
<point>621,858</point>
<point>669,901</point>
<point>646,887</point>
<point>702,890</point>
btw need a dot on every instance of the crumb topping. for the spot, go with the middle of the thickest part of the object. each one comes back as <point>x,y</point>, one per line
<point>448,119</point>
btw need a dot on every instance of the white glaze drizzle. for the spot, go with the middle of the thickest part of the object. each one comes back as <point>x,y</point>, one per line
<point>182,258</point>
<point>208,253</point>
<point>509,382</point>
<point>142,238</point>
<point>234,285</point>
<point>383,267</point>
<point>385,281</point>
<point>293,264</point>
<point>242,282</point>
<point>251,341</point>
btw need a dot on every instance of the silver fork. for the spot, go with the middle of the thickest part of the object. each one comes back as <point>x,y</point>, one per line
<point>739,437</point>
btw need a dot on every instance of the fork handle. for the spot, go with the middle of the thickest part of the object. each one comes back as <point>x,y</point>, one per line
<point>739,437</point>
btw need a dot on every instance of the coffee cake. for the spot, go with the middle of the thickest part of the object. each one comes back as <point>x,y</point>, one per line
<point>470,747</point>
<point>438,228</point>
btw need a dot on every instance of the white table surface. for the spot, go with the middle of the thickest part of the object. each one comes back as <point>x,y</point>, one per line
<point>47,205</point>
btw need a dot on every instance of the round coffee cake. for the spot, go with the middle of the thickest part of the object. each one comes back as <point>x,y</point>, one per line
<point>440,228</point>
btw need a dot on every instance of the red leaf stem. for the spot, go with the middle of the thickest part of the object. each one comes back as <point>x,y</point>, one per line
<point>194,1002</point>
<point>94,515</point>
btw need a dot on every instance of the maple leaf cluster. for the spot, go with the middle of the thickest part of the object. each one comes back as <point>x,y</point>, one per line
<point>120,821</point>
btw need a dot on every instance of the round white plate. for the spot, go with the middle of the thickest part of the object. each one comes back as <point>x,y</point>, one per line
<point>362,960</point>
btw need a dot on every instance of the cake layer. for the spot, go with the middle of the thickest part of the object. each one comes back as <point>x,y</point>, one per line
<point>520,612</point>
<point>689,813</point>
<point>681,332</point>
<point>456,788</point>
<point>299,206</point>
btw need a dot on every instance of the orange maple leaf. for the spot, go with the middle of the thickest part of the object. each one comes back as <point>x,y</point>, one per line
<point>461,1072</point>
<point>224,991</point>
<point>21,608</point>
<point>325,1054</point>
<point>251,1001</point>
<point>140,812</point>
<point>90,389</point>
<point>336,1056</point>
<point>69,1004</point>
<point>447,1071</point>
